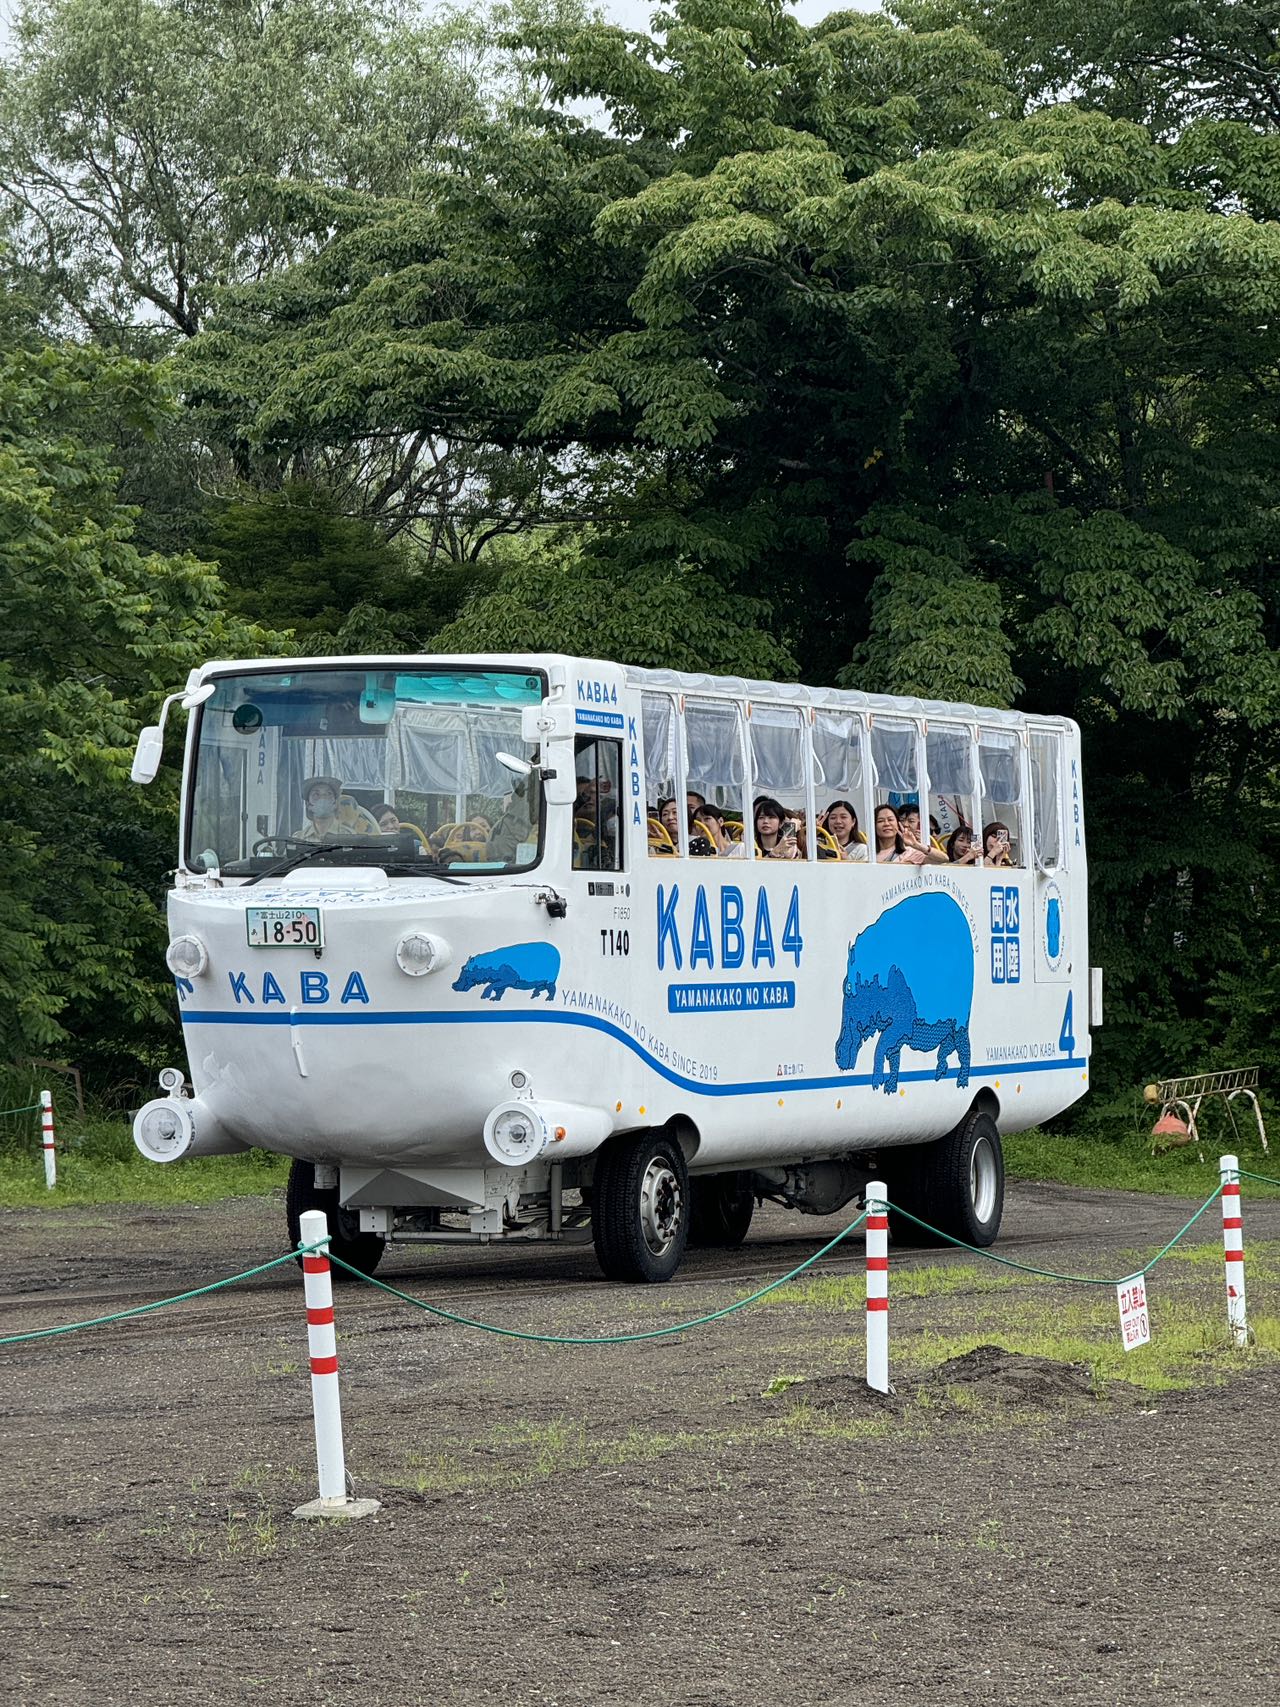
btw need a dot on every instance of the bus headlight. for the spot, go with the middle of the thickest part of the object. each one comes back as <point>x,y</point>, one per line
<point>163,1130</point>
<point>186,957</point>
<point>515,1133</point>
<point>418,952</point>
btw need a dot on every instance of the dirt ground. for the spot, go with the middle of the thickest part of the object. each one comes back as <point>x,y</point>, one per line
<point>727,1517</point>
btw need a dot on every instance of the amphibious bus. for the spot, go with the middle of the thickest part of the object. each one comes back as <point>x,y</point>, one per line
<point>515,948</point>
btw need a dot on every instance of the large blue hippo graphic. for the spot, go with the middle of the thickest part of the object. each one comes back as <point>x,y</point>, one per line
<point>910,978</point>
<point>532,966</point>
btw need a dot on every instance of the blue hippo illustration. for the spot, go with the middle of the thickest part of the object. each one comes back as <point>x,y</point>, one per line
<point>1053,927</point>
<point>532,966</point>
<point>910,978</point>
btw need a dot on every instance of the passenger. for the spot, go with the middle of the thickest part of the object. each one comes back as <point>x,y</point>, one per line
<point>892,847</point>
<point>388,818</point>
<point>840,821</point>
<point>695,802</point>
<point>711,819</point>
<point>595,825</point>
<point>909,822</point>
<point>321,796</point>
<point>669,818</point>
<point>961,847</point>
<point>995,844</point>
<point>775,838</point>
<point>595,801</point>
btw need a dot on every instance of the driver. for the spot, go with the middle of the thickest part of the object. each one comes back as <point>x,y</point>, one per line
<point>321,796</point>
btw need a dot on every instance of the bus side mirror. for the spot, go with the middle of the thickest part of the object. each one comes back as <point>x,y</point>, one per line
<point>147,754</point>
<point>150,749</point>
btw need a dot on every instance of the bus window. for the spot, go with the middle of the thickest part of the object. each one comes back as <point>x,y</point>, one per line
<point>780,764</point>
<point>949,760</point>
<point>714,764</point>
<point>840,778</point>
<point>597,823</point>
<point>1000,770</point>
<point>658,719</point>
<point>894,759</point>
<point>1046,798</point>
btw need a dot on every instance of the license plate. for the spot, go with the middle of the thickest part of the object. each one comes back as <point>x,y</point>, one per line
<point>284,927</point>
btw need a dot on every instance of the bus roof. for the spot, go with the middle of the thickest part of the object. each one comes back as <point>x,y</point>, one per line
<point>668,681</point>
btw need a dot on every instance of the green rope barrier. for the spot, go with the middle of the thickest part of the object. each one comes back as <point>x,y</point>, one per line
<point>1266,1179</point>
<point>1052,1274</point>
<point>601,1339</point>
<point>159,1304</point>
<point>25,1109</point>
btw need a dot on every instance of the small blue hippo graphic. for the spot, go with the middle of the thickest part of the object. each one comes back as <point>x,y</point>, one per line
<point>1053,927</point>
<point>910,978</point>
<point>532,966</point>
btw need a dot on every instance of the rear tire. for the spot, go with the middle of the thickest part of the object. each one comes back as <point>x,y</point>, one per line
<point>956,1184</point>
<point>640,1208</point>
<point>720,1210</point>
<point>361,1250</point>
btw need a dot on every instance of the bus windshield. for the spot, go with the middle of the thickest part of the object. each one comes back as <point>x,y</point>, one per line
<point>399,768</point>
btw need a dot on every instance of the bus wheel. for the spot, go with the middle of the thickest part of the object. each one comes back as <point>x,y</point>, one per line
<point>361,1250</point>
<point>720,1210</point>
<point>640,1207</point>
<point>956,1184</point>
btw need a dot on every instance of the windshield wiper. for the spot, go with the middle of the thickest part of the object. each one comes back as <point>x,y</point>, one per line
<point>291,862</point>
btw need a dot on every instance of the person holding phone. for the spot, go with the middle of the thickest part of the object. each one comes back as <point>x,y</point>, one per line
<point>995,844</point>
<point>772,840</point>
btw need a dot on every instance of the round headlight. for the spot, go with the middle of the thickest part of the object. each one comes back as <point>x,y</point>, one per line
<point>163,1130</point>
<point>418,952</point>
<point>515,1134</point>
<point>186,957</point>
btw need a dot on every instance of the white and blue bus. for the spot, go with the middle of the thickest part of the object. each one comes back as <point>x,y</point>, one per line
<point>515,948</point>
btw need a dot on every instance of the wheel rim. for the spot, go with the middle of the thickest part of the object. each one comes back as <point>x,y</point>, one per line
<point>661,1206</point>
<point>984,1180</point>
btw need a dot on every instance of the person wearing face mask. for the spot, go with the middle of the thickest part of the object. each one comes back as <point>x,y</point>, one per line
<point>321,795</point>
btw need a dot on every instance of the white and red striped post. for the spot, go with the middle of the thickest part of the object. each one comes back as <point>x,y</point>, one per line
<point>48,1139</point>
<point>322,1343</point>
<point>877,1236</point>
<point>1233,1248</point>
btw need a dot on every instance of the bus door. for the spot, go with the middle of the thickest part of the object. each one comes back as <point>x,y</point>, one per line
<point>1055,930</point>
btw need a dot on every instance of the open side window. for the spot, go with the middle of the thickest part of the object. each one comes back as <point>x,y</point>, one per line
<point>1047,799</point>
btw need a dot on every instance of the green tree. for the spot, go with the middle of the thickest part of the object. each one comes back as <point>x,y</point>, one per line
<point>138,138</point>
<point>92,632</point>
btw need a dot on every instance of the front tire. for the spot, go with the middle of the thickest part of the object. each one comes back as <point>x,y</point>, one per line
<point>640,1208</point>
<point>361,1250</point>
<point>956,1184</point>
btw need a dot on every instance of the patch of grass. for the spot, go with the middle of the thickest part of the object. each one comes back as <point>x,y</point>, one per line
<point>98,1163</point>
<point>1189,1345</point>
<point>1125,1163</point>
<point>1262,1257</point>
<point>933,1280</point>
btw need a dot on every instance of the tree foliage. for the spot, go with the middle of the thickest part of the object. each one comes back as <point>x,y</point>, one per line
<point>92,632</point>
<point>137,138</point>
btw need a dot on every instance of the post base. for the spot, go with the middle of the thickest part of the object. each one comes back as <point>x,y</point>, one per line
<point>338,1508</point>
